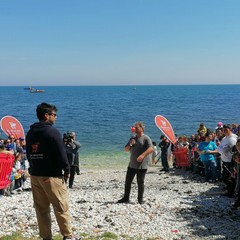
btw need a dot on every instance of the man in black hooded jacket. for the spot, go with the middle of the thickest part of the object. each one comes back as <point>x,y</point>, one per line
<point>49,169</point>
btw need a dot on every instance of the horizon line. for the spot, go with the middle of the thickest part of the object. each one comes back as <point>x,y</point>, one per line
<point>122,85</point>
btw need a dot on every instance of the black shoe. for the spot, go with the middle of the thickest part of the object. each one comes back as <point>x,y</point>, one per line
<point>123,200</point>
<point>140,201</point>
<point>163,170</point>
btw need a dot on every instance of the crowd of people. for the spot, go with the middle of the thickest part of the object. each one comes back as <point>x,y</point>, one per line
<point>16,148</point>
<point>213,153</point>
<point>51,161</point>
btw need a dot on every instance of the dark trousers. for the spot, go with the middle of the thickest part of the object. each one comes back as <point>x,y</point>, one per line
<point>226,177</point>
<point>164,159</point>
<point>131,172</point>
<point>72,174</point>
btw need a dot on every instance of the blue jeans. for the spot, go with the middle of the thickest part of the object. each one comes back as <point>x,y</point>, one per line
<point>210,169</point>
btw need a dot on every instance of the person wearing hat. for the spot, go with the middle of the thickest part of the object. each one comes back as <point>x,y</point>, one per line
<point>164,145</point>
<point>225,149</point>
<point>219,126</point>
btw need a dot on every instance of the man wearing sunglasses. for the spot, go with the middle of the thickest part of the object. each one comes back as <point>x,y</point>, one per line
<point>49,169</point>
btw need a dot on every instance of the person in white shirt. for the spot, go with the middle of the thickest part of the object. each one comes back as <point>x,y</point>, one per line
<point>225,149</point>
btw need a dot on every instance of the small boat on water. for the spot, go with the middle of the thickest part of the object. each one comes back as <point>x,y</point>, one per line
<point>34,90</point>
<point>27,88</point>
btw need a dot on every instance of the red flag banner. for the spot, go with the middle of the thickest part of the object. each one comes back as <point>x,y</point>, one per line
<point>164,125</point>
<point>11,126</point>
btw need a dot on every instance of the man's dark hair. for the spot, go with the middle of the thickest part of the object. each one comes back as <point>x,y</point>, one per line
<point>227,126</point>
<point>44,108</point>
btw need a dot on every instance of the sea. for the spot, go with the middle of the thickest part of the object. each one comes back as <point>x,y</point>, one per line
<point>102,116</point>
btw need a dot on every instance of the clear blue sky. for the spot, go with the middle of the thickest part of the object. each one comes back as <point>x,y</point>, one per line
<point>114,42</point>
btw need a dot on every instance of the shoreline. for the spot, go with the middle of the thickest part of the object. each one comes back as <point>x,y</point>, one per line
<point>177,205</point>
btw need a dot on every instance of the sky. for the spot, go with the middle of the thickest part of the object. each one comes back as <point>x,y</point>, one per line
<point>119,42</point>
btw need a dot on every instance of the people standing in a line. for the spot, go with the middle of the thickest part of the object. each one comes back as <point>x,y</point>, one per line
<point>164,145</point>
<point>225,149</point>
<point>71,147</point>
<point>49,168</point>
<point>207,149</point>
<point>140,147</point>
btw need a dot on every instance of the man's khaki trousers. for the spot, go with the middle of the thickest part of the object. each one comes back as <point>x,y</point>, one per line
<point>46,191</point>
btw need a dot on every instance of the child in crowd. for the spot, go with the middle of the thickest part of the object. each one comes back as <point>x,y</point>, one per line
<point>17,171</point>
<point>21,170</point>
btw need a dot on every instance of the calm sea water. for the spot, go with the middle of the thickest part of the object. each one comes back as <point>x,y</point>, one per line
<point>102,115</point>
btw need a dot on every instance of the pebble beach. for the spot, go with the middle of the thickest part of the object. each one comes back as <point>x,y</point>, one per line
<point>177,205</point>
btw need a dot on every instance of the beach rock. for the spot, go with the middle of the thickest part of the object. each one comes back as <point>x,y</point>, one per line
<point>176,206</point>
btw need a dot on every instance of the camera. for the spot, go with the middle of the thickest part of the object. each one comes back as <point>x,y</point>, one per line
<point>67,137</point>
